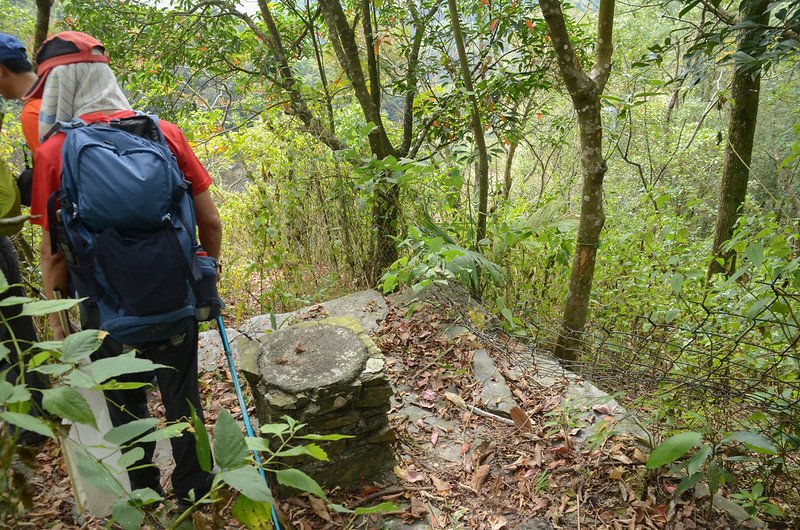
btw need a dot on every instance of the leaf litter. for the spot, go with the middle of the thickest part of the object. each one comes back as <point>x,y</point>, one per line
<point>456,468</point>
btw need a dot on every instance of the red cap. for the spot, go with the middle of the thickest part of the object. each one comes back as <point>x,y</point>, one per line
<point>67,47</point>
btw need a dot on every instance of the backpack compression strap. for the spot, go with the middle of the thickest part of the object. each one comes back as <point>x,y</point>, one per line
<point>52,222</point>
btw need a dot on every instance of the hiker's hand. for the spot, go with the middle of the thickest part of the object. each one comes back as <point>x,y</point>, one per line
<point>56,327</point>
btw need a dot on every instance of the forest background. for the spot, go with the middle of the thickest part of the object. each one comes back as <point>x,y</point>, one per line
<point>650,239</point>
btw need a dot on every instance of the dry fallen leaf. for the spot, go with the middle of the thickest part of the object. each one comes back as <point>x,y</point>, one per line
<point>429,395</point>
<point>604,409</point>
<point>320,508</point>
<point>522,421</point>
<point>622,458</point>
<point>408,475</point>
<point>434,438</point>
<point>480,477</point>
<point>417,509</point>
<point>455,399</point>
<point>640,456</point>
<point>616,473</point>
<point>441,485</point>
<point>498,522</point>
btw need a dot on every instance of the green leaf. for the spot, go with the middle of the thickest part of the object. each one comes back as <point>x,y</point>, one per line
<point>127,516</point>
<point>389,282</point>
<point>257,444</point>
<point>49,345</point>
<point>772,509</point>
<point>6,391</point>
<point>758,307</point>
<point>130,457</point>
<point>13,393</point>
<point>247,480</point>
<point>80,345</point>
<point>325,437</point>
<point>93,471</point>
<point>118,385</point>
<point>3,282</point>
<point>312,450</point>
<point>672,449</point>
<point>714,472</point>
<point>254,515</point>
<point>698,459</point>
<point>173,430</point>
<point>687,483</point>
<point>27,422</point>
<point>127,363</point>
<point>294,478</point>
<point>56,369</point>
<point>676,282</point>
<point>124,433</point>
<point>201,443</point>
<point>755,441</point>
<point>384,507</point>
<point>66,402</point>
<point>274,429</point>
<point>14,300</point>
<point>230,449</point>
<point>45,307</point>
<point>671,314</point>
<point>755,253</point>
<point>144,496</point>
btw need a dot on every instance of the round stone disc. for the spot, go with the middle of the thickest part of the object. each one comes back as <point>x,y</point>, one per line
<point>302,358</point>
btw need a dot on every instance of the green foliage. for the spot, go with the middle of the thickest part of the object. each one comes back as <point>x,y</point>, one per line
<point>437,259</point>
<point>705,460</point>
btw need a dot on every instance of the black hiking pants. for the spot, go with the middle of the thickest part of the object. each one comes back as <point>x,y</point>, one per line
<point>22,329</point>
<point>178,385</point>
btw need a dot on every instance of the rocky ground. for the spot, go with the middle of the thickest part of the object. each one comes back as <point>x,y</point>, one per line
<point>489,436</point>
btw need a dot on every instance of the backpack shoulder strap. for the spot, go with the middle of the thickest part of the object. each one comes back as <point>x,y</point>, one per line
<point>75,123</point>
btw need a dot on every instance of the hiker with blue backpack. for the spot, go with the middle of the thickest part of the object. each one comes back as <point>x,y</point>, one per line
<point>121,198</point>
<point>16,78</point>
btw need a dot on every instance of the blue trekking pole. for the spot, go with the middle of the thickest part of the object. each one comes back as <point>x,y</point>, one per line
<point>226,346</point>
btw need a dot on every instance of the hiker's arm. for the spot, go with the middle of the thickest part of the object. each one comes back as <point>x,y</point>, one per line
<point>54,274</point>
<point>209,225</point>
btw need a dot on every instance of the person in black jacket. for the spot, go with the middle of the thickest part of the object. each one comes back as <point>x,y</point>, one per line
<point>16,77</point>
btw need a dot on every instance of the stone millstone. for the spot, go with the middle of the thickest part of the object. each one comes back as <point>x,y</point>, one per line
<point>302,359</point>
<point>329,375</point>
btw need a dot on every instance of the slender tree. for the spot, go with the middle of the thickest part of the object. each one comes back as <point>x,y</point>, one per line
<point>585,89</point>
<point>482,167</point>
<point>745,92</point>
<point>43,8</point>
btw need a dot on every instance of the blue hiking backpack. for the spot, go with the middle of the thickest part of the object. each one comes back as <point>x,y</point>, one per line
<point>127,231</point>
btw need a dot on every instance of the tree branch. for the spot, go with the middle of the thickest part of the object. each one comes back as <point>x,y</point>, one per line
<point>578,83</point>
<point>346,49</point>
<point>372,54</point>
<point>411,79</point>
<point>288,81</point>
<point>605,44</point>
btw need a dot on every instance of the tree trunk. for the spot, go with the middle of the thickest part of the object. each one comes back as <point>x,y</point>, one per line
<point>585,90</point>
<point>745,92</point>
<point>482,168</point>
<point>386,209</point>
<point>592,219</point>
<point>512,149</point>
<point>42,23</point>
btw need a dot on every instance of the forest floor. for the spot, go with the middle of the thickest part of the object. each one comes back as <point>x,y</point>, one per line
<point>456,467</point>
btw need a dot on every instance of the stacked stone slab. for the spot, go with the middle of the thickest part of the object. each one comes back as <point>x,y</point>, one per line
<point>330,375</point>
